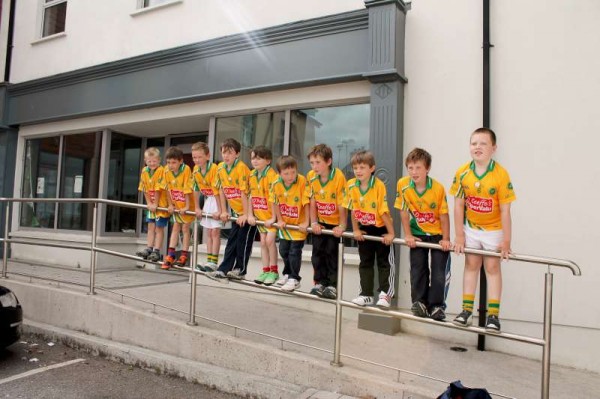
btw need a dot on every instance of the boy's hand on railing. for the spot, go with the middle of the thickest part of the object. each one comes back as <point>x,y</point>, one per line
<point>198,213</point>
<point>388,238</point>
<point>224,216</point>
<point>171,209</point>
<point>505,249</point>
<point>183,211</point>
<point>152,207</point>
<point>251,220</point>
<point>281,224</point>
<point>446,245</point>
<point>358,235</point>
<point>216,215</point>
<point>316,228</point>
<point>303,226</point>
<point>459,245</point>
<point>339,230</point>
<point>241,220</point>
<point>269,222</point>
<point>411,241</point>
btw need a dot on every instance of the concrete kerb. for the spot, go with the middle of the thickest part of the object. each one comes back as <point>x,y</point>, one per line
<point>104,319</point>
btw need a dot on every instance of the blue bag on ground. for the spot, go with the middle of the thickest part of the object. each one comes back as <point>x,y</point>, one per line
<point>457,390</point>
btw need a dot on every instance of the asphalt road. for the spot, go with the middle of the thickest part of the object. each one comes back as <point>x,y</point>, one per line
<point>38,368</point>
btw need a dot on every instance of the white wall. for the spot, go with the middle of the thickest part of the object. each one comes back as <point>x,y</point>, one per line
<point>544,71</point>
<point>109,30</point>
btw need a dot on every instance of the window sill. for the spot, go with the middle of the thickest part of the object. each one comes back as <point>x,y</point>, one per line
<point>146,10</point>
<point>49,38</point>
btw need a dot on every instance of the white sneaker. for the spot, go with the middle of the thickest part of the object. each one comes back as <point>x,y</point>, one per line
<point>235,274</point>
<point>291,285</point>
<point>282,280</point>
<point>362,300</point>
<point>384,300</point>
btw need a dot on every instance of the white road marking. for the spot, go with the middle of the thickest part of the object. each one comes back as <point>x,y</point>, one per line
<point>40,370</point>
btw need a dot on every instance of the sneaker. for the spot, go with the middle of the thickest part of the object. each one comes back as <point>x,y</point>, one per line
<point>291,285</point>
<point>363,300</point>
<point>384,301</point>
<point>167,262</point>
<point>438,314</point>
<point>154,256</point>
<point>271,278</point>
<point>210,267</point>
<point>464,319</point>
<point>217,275</point>
<point>181,261</point>
<point>261,277</point>
<point>199,268</point>
<point>329,292</point>
<point>235,274</point>
<point>492,324</point>
<point>419,309</point>
<point>317,290</point>
<point>282,280</point>
<point>144,253</point>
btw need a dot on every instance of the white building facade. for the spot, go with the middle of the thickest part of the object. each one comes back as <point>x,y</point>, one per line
<point>91,84</point>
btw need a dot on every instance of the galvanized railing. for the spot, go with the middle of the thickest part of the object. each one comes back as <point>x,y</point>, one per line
<point>339,303</point>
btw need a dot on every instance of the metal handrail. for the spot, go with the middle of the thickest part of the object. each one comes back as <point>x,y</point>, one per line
<point>339,303</point>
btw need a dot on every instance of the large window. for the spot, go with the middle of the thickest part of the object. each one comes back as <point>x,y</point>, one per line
<point>252,130</point>
<point>68,165</point>
<point>345,129</point>
<point>54,17</point>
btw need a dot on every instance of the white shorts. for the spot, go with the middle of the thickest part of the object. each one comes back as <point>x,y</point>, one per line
<point>481,239</point>
<point>210,207</point>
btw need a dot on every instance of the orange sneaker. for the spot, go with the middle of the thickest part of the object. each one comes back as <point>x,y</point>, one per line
<point>181,262</point>
<point>168,262</point>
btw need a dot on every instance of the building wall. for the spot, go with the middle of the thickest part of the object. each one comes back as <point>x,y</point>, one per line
<point>544,82</point>
<point>126,32</point>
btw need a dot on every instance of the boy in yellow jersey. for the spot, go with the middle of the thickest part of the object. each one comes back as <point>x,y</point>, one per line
<point>178,181</point>
<point>424,215</point>
<point>205,175</point>
<point>150,180</point>
<point>483,194</point>
<point>232,182</point>
<point>367,203</point>
<point>290,196</point>
<point>261,179</point>
<point>327,187</point>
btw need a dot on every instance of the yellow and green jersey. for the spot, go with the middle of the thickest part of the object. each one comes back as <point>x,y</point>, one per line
<point>206,182</point>
<point>424,208</point>
<point>367,206</point>
<point>150,182</point>
<point>260,186</point>
<point>291,201</point>
<point>179,184</point>
<point>234,183</point>
<point>483,194</point>
<point>328,196</point>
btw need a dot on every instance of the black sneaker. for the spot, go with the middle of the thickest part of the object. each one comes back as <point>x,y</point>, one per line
<point>317,290</point>
<point>419,309</point>
<point>492,324</point>
<point>438,314</point>
<point>329,292</point>
<point>464,319</point>
<point>144,253</point>
<point>154,256</point>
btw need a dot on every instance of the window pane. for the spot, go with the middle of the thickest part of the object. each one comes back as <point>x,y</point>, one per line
<point>345,129</point>
<point>79,179</point>
<point>250,131</point>
<point>123,173</point>
<point>39,181</point>
<point>54,19</point>
<point>150,3</point>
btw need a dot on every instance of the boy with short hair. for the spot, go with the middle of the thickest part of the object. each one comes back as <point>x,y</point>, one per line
<point>232,182</point>
<point>205,175</point>
<point>424,215</point>
<point>178,182</point>
<point>289,193</point>
<point>261,180</point>
<point>483,193</point>
<point>367,203</point>
<point>327,186</point>
<point>150,180</point>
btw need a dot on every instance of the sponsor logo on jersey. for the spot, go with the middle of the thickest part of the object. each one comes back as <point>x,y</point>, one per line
<point>259,203</point>
<point>232,193</point>
<point>177,195</point>
<point>326,208</point>
<point>424,217</point>
<point>207,192</point>
<point>364,218</point>
<point>289,211</point>
<point>480,205</point>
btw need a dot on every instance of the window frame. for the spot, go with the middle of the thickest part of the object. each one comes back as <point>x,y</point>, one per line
<point>45,5</point>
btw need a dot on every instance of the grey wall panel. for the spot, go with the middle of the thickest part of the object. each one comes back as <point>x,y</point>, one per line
<point>296,63</point>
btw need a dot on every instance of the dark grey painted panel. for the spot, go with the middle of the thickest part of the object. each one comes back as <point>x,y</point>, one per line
<point>318,59</point>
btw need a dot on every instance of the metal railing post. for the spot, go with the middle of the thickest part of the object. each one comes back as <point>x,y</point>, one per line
<point>93,250</point>
<point>5,243</point>
<point>194,262</point>
<point>338,306</point>
<point>547,336</point>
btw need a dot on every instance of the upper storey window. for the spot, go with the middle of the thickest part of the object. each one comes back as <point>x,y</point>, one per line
<point>54,16</point>
<point>152,3</point>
